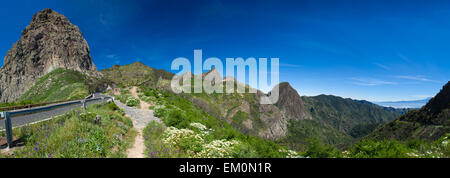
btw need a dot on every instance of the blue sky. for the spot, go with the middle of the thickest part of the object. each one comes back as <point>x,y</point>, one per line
<point>372,50</point>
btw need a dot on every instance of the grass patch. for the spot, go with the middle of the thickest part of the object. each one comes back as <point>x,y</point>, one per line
<point>155,148</point>
<point>60,84</point>
<point>77,135</point>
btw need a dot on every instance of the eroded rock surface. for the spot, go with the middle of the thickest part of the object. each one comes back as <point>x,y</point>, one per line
<point>48,43</point>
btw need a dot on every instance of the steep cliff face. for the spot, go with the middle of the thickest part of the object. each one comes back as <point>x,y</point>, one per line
<point>48,43</point>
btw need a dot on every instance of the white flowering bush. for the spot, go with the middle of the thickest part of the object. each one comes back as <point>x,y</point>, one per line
<point>445,143</point>
<point>438,149</point>
<point>132,101</point>
<point>444,140</point>
<point>194,145</point>
<point>218,149</point>
<point>183,139</point>
<point>201,128</point>
<point>346,154</point>
<point>290,153</point>
<point>198,126</point>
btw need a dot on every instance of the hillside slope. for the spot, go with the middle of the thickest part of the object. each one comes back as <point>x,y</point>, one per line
<point>349,116</point>
<point>293,119</point>
<point>60,84</point>
<point>430,122</point>
<point>134,74</point>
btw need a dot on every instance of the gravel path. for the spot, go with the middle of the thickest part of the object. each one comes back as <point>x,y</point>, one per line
<point>141,117</point>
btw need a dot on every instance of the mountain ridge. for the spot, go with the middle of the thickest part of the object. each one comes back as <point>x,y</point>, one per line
<point>282,119</point>
<point>429,122</point>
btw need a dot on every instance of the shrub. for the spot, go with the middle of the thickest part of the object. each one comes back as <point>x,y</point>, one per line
<point>132,101</point>
<point>218,149</point>
<point>379,149</point>
<point>113,106</point>
<point>316,149</point>
<point>183,139</point>
<point>290,153</point>
<point>87,116</point>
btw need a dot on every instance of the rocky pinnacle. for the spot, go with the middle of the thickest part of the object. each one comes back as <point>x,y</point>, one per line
<point>49,42</point>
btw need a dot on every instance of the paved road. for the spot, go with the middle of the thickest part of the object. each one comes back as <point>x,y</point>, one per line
<point>20,120</point>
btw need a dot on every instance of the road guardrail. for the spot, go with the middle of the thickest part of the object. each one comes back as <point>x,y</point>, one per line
<point>8,114</point>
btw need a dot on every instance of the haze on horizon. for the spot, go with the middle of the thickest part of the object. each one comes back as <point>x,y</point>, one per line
<point>370,50</point>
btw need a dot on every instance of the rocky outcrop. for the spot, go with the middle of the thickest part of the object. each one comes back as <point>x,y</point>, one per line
<point>277,124</point>
<point>48,43</point>
<point>290,103</point>
<point>276,117</point>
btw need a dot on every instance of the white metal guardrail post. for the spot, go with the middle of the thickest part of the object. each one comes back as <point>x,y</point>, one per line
<point>84,104</point>
<point>8,128</point>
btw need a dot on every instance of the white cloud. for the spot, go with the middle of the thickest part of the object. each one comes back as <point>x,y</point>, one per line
<point>403,57</point>
<point>416,78</point>
<point>422,96</point>
<point>370,81</point>
<point>382,66</point>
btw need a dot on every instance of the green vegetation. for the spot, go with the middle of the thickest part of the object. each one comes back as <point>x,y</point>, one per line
<point>126,97</point>
<point>338,128</point>
<point>316,149</point>
<point>345,114</point>
<point>132,101</point>
<point>18,103</point>
<point>194,133</point>
<point>155,148</point>
<point>300,133</point>
<point>396,149</point>
<point>338,121</point>
<point>362,130</point>
<point>430,122</point>
<point>135,74</point>
<point>368,148</point>
<point>77,135</point>
<point>60,84</point>
<point>335,120</point>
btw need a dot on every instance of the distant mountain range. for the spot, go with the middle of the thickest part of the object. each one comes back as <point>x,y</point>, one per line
<point>404,104</point>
